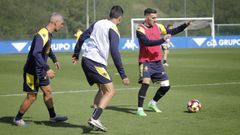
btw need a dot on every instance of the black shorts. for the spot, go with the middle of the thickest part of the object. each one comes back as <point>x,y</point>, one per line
<point>95,72</point>
<point>32,81</point>
<point>153,70</point>
<point>165,47</point>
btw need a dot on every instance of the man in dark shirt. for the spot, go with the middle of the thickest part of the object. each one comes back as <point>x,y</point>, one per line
<point>37,72</point>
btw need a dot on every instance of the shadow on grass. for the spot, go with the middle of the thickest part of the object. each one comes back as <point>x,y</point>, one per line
<point>189,112</point>
<point>125,108</point>
<point>7,120</point>
<point>85,129</point>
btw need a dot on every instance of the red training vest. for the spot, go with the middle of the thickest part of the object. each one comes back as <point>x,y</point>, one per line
<point>150,53</point>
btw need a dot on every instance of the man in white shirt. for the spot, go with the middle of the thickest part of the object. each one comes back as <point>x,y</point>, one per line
<point>96,42</point>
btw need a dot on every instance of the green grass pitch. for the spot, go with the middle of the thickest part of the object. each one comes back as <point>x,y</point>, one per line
<point>209,75</point>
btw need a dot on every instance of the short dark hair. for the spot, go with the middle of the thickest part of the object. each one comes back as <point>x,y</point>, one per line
<point>116,11</point>
<point>149,11</point>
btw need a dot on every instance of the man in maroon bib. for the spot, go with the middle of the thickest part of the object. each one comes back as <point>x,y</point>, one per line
<point>150,56</point>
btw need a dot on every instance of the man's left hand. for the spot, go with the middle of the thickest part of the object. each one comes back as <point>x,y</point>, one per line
<point>57,65</point>
<point>188,23</point>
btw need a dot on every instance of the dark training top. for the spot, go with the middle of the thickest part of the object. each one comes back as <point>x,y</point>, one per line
<point>39,52</point>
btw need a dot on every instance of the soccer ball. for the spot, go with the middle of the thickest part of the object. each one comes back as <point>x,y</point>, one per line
<point>194,106</point>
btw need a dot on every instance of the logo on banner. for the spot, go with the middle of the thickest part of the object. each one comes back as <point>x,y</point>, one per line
<point>130,45</point>
<point>19,45</point>
<point>199,41</point>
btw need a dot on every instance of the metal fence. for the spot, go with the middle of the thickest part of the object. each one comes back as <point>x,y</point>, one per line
<point>227,29</point>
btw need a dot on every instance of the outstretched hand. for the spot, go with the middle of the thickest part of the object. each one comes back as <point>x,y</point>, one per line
<point>188,23</point>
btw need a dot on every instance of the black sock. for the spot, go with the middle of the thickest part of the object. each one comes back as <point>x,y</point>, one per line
<point>19,116</point>
<point>51,112</point>
<point>161,92</point>
<point>97,113</point>
<point>164,61</point>
<point>142,94</point>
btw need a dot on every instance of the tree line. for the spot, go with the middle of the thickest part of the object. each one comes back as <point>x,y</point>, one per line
<point>20,19</point>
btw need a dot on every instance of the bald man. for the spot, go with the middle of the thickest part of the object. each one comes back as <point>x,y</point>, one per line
<point>37,72</point>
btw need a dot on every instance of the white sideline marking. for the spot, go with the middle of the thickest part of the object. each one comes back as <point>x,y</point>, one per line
<point>126,89</point>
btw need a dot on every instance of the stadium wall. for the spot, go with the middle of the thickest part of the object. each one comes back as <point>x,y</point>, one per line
<point>67,45</point>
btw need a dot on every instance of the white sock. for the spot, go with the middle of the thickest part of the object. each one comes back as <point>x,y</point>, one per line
<point>140,109</point>
<point>153,102</point>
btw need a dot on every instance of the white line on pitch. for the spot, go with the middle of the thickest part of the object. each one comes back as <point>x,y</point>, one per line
<point>127,88</point>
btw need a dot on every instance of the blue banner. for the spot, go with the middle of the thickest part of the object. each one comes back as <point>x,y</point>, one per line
<point>67,45</point>
<point>60,45</point>
<point>191,42</point>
